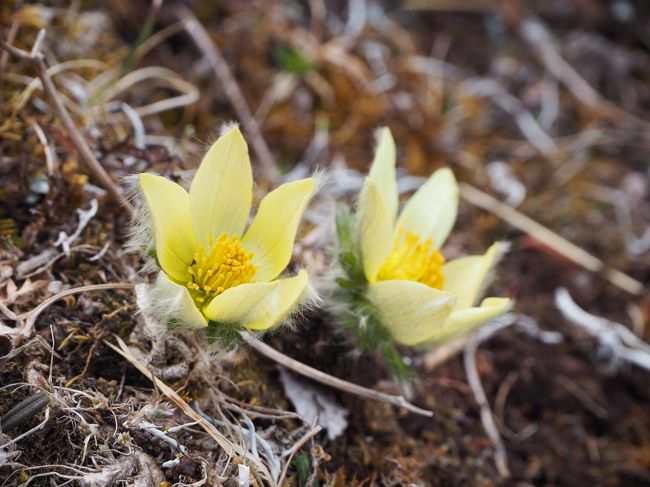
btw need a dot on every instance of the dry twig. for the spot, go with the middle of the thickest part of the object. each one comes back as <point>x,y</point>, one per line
<point>230,448</point>
<point>538,37</point>
<point>474,380</point>
<point>221,69</point>
<point>617,343</point>
<point>31,316</point>
<point>550,238</point>
<point>301,442</point>
<point>37,59</point>
<point>329,380</point>
<point>442,353</point>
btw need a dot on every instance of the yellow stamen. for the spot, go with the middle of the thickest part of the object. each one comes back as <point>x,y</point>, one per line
<point>413,260</point>
<point>225,264</point>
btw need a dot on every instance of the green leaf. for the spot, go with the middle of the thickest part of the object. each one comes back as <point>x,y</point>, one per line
<point>302,463</point>
<point>293,60</point>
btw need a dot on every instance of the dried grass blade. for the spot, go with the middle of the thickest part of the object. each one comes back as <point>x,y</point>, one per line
<point>548,237</point>
<point>230,448</point>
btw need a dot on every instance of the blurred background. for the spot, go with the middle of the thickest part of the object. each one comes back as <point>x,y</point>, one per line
<point>539,107</point>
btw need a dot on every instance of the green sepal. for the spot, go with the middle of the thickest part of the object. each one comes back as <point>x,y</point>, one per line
<point>225,334</point>
<point>361,317</point>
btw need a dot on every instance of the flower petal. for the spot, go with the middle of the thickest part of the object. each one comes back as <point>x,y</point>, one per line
<point>467,277</point>
<point>382,171</point>
<point>465,320</point>
<point>258,305</point>
<point>431,211</point>
<point>172,303</point>
<point>273,231</point>
<point>411,311</point>
<point>169,206</point>
<point>375,229</point>
<point>236,303</point>
<point>280,303</point>
<point>222,189</point>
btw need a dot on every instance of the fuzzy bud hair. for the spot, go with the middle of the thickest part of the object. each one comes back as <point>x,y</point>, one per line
<point>168,304</point>
<point>141,234</point>
<point>227,127</point>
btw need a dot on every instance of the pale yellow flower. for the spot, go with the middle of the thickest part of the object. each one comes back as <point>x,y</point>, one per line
<point>418,297</point>
<point>213,268</point>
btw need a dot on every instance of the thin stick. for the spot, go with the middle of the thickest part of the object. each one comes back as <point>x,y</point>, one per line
<point>49,153</point>
<point>32,315</point>
<point>11,35</point>
<point>301,442</point>
<point>444,352</point>
<point>329,380</point>
<point>222,71</point>
<point>539,39</point>
<point>231,449</point>
<point>474,380</point>
<point>550,238</point>
<point>86,154</point>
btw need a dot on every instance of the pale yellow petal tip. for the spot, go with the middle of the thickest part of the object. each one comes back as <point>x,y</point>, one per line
<point>292,296</point>
<point>447,176</point>
<point>147,180</point>
<point>271,236</point>
<point>385,141</point>
<point>500,249</point>
<point>230,129</point>
<point>382,169</point>
<point>499,305</point>
<point>230,135</point>
<point>308,185</point>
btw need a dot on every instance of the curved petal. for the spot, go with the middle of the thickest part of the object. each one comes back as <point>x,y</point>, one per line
<point>278,304</point>
<point>465,320</point>
<point>412,312</point>
<point>375,229</point>
<point>273,231</point>
<point>222,189</point>
<point>172,303</point>
<point>382,171</point>
<point>236,303</point>
<point>431,211</point>
<point>467,277</point>
<point>169,207</point>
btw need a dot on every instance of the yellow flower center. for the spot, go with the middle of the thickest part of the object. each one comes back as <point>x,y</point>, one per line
<point>224,265</point>
<point>413,260</point>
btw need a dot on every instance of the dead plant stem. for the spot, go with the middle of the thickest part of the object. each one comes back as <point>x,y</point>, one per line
<point>548,237</point>
<point>474,380</point>
<point>86,154</point>
<point>301,442</point>
<point>329,380</point>
<point>223,73</point>
<point>31,316</point>
<point>230,448</point>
